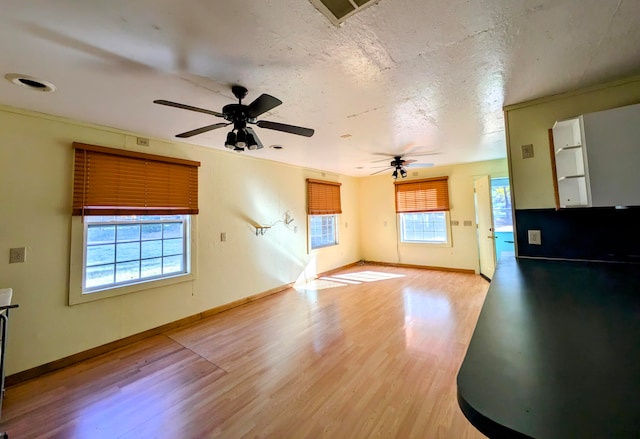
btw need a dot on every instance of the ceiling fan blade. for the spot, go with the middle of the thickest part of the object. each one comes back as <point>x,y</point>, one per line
<point>307,132</point>
<point>382,170</point>
<point>419,165</point>
<point>187,107</point>
<point>424,153</point>
<point>262,104</point>
<point>408,162</point>
<point>201,130</point>
<point>255,136</point>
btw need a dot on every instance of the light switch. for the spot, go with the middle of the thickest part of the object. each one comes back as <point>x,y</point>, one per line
<point>527,151</point>
<point>17,255</point>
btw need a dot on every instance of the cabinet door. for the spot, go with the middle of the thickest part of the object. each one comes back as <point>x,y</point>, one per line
<point>613,156</point>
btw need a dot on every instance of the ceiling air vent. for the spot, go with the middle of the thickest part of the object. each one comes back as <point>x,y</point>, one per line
<point>338,11</point>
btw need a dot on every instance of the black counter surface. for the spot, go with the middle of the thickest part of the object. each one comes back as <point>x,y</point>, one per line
<point>556,352</point>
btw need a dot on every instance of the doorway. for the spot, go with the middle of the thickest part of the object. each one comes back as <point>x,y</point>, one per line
<point>502,217</point>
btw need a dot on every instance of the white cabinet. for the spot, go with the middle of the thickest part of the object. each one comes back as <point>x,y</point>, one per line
<point>597,158</point>
<point>570,159</point>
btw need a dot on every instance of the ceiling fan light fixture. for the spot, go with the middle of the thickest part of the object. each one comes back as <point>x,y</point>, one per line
<point>241,139</point>
<point>395,174</point>
<point>403,172</point>
<point>252,145</point>
<point>231,140</point>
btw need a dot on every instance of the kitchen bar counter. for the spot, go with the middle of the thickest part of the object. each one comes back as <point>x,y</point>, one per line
<point>556,352</point>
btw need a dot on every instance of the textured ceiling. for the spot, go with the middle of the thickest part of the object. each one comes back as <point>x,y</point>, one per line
<point>402,75</point>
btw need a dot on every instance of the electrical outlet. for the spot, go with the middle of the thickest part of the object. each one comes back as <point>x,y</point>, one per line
<point>455,222</point>
<point>535,237</point>
<point>223,237</point>
<point>468,223</point>
<point>142,141</point>
<point>17,255</point>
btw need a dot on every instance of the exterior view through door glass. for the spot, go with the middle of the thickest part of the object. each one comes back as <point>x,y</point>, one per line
<point>502,217</point>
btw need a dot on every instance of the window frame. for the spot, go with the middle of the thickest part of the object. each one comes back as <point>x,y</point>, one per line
<point>336,223</point>
<point>78,295</point>
<point>447,243</point>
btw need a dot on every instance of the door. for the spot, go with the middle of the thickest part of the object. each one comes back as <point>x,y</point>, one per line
<point>484,218</point>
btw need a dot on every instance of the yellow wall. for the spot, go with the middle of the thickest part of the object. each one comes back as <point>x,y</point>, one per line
<point>377,206</point>
<point>528,123</point>
<point>235,190</point>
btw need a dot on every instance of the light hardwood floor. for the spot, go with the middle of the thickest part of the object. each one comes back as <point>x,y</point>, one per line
<point>374,359</point>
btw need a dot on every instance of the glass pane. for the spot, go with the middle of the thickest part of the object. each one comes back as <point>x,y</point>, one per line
<point>100,254</point>
<point>99,276</point>
<point>129,251</point>
<point>172,264</point>
<point>172,247</point>
<point>501,201</point>
<point>127,271</point>
<point>424,227</point>
<point>151,267</point>
<point>128,232</point>
<point>151,231</point>
<point>132,248</point>
<point>151,249</point>
<point>323,231</point>
<point>172,230</point>
<point>101,234</point>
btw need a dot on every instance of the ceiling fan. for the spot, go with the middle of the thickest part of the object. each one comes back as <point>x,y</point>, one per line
<point>399,164</point>
<point>241,136</point>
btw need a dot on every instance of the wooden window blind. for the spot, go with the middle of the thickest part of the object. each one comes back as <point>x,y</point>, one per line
<point>109,181</point>
<point>323,197</point>
<point>428,195</point>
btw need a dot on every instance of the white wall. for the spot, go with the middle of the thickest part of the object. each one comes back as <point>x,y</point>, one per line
<point>236,190</point>
<point>377,207</point>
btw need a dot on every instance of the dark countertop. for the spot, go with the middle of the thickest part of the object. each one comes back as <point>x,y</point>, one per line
<point>556,352</point>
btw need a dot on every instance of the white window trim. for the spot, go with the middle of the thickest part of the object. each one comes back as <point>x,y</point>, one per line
<point>336,227</point>
<point>448,244</point>
<point>76,262</point>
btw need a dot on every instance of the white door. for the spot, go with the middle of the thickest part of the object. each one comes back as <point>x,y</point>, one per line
<point>486,236</point>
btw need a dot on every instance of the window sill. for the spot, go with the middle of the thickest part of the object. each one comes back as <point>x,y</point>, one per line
<point>77,297</point>
<point>429,244</point>
<point>320,247</point>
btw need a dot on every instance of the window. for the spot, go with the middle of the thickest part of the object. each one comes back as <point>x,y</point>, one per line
<point>122,250</point>
<point>423,227</point>
<point>423,211</point>
<point>323,230</point>
<point>323,207</point>
<point>132,220</point>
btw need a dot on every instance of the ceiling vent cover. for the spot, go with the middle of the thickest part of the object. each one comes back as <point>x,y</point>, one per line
<point>338,11</point>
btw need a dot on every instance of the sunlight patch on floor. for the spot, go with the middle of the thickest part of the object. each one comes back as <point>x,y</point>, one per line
<point>341,280</point>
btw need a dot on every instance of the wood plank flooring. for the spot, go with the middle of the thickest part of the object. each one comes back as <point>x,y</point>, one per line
<point>333,360</point>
